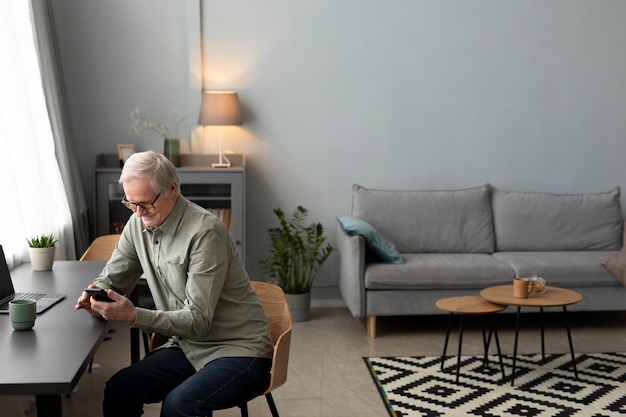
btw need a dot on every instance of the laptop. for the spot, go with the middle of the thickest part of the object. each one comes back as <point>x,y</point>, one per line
<point>7,292</point>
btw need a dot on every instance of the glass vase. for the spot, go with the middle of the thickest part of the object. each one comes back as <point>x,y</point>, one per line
<point>171,150</point>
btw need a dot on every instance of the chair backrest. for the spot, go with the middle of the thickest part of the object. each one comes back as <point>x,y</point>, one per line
<point>101,248</point>
<point>274,303</point>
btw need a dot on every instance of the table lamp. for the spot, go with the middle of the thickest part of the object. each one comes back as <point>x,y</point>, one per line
<point>220,108</point>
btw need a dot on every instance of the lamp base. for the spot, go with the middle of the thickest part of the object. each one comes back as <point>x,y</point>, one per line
<point>223,161</point>
<point>220,165</point>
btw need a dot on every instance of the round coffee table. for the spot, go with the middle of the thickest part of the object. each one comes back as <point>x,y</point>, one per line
<point>553,297</point>
<point>470,305</point>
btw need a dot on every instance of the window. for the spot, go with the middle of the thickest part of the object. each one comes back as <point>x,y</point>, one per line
<point>32,197</point>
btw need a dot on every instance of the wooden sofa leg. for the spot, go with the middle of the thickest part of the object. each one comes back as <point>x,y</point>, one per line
<point>371,326</point>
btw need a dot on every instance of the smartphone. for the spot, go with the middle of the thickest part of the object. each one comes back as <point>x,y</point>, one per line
<point>99,294</point>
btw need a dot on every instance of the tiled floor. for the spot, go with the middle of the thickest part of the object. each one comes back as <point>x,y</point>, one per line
<point>327,375</point>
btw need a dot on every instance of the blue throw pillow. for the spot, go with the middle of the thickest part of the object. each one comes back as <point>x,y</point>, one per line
<point>383,249</point>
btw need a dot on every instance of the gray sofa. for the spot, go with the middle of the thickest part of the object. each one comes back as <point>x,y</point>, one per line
<point>457,242</point>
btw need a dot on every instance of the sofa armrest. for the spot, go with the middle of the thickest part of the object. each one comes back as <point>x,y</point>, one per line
<point>352,271</point>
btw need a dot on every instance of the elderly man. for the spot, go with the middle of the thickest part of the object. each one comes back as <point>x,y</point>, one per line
<point>219,345</point>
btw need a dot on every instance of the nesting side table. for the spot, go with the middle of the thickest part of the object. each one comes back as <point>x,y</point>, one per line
<point>470,305</point>
<point>553,297</point>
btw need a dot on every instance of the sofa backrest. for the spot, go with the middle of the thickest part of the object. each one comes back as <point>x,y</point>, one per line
<point>557,222</point>
<point>446,221</point>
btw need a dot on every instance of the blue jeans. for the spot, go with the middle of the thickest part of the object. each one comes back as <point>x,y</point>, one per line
<point>166,375</point>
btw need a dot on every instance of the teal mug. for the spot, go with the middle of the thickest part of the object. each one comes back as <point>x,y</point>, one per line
<point>22,314</point>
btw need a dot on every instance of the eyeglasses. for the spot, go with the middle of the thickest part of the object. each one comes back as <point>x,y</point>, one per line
<point>145,206</point>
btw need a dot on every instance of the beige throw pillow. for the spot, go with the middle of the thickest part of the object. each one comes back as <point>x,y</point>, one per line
<point>616,264</point>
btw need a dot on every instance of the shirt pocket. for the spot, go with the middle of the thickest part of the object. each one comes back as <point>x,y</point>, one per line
<point>174,275</point>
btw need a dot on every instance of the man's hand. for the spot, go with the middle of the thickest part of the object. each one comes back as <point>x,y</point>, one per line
<point>84,302</point>
<point>121,309</point>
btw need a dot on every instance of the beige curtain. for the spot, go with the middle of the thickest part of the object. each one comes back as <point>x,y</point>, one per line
<point>60,121</point>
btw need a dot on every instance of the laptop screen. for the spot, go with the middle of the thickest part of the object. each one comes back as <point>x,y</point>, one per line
<point>6,285</point>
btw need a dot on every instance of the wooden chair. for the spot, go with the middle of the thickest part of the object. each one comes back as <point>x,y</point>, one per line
<point>101,248</point>
<point>274,303</point>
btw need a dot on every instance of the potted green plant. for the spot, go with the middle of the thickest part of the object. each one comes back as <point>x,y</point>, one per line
<point>297,252</point>
<point>41,249</point>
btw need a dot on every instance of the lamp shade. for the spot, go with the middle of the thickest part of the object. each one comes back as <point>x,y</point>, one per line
<point>219,108</point>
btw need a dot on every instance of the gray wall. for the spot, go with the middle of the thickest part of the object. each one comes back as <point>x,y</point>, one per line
<point>403,94</point>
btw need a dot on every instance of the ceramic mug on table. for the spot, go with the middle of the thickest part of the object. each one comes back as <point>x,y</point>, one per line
<point>22,314</point>
<point>522,287</point>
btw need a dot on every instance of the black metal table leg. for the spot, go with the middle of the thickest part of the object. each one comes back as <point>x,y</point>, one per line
<point>486,342</point>
<point>494,327</point>
<point>543,344</point>
<point>569,338</point>
<point>493,331</point>
<point>515,345</point>
<point>458,356</point>
<point>445,345</point>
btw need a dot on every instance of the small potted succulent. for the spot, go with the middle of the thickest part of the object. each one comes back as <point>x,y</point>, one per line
<point>41,250</point>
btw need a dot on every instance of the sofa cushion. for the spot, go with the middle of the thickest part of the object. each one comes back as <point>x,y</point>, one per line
<point>433,271</point>
<point>379,247</point>
<point>447,221</point>
<point>557,222</point>
<point>566,269</point>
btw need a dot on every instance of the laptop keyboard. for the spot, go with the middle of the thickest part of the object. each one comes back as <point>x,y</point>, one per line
<point>27,295</point>
<point>21,296</point>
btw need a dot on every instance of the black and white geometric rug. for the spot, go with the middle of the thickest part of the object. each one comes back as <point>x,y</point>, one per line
<point>416,386</point>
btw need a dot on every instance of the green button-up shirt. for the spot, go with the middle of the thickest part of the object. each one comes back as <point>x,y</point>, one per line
<point>200,288</point>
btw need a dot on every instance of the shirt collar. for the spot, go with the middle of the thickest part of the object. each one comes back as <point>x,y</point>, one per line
<point>170,224</point>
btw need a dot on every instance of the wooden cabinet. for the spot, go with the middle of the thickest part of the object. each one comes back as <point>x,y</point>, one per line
<point>219,190</point>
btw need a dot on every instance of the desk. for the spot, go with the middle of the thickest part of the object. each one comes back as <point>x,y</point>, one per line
<point>49,360</point>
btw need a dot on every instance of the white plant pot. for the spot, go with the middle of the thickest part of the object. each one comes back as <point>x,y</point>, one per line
<point>42,258</point>
<point>300,306</point>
